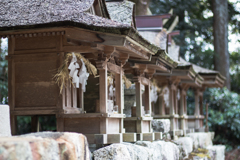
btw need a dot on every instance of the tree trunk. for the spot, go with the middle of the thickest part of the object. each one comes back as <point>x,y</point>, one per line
<point>142,7</point>
<point>220,33</point>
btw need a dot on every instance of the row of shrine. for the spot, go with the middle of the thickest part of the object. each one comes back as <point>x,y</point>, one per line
<point>108,53</point>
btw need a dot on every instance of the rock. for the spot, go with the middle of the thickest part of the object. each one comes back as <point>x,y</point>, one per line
<point>154,149</point>
<point>169,150</point>
<point>161,125</point>
<point>141,150</point>
<point>185,146</point>
<point>112,152</point>
<point>187,143</point>
<point>138,152</point>
<point>5,129</point>
<point>67,141</point>
<point>45,145</point>
<point>28,148</point>
<point>201,139</point>
<point>219,150</point>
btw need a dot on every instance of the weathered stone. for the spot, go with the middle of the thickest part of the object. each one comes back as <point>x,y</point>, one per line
<point>185,146</point>
<point>137,151</point>
<point>5,129</point>
<point>169,150</point>
<point>200,139</point>
<point>219,150</point>
<point>112,152</point>
<point>28,148</point>
<point>67,142</point>
<point>186,143</point>
<point>161,125</point>
<point>45,145</point>
<point>141,150</point>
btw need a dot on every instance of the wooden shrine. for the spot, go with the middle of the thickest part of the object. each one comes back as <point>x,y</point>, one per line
<point>141,116</point>
<point>38,48</point>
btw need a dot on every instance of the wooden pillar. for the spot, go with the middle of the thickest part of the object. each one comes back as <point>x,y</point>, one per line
<point>206,128</point>
<point>103,94</point>
<point>197,113</point>
<point>139,106</point>
<point>13,122</point>
<point>161,105</point>
<point>103,90</point>
<point>35,126</point>
<point>171,104</point>
<point>147,99</point>
<point>119,96</point>
<point>182,113</point>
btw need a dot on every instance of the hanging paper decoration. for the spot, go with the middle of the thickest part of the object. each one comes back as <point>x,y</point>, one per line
<point>178,94</point>
<point>78,77</point>
<point>154,94</point>
<point>166,96</point>
<point>62,76</point>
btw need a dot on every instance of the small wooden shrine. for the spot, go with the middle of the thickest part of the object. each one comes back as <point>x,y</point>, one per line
<point>72,59</point>
<point>79,46</point>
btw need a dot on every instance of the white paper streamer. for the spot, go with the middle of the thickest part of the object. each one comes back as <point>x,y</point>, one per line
<point>154,94</point>
<point>166,96</point>
<point>83,74</point>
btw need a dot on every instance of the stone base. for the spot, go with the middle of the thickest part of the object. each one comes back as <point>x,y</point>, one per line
<point>158,135</point>
<point>45,145</point>
<point>129,137</point>
<point>104,138</point>
<point>5,129</point>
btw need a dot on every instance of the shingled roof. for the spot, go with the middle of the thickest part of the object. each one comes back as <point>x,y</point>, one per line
<point>122,12</point>
<point>27,13</point>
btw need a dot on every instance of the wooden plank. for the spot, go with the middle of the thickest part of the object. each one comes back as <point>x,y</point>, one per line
<point>114,138</point>
<point>130,126</point>
<point>81,97</point>
<point>36,94</point>
<point>68,94</point>
<point>95,37</point>
<point>82,125</point>
<point>13,121</point>
<point>79,49</point>
<point>36,108</point>
<point>158,135</point>
<point>148,100</point>
<point>148,136</point>
<point>34,124</point>
<point>90,138</point>
<point>103,90</point>
<point>138,99</point>
<point>161,105</point>
<point>36,44</point>
<point>104,126</point>
<point>100,138</point>
<point>146,126</point>
<point>119,90</point>
<point>129,137</point>
<point>113,125</point>
<point>74,95</point>
<point>11,79</point>
<point>139,136</point>
<point>114,68</point>
<point>60,124</point>
<point>35,112</point>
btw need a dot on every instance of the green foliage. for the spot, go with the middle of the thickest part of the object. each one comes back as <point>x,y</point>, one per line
<point>47,123</point>
<point>3,76</point>
<point>235,71</point>
<point>224,112</point>
<point>195,23</point>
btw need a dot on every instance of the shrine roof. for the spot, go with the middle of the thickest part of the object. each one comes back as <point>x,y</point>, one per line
<point>34,14</point>
<point>122,12</point>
